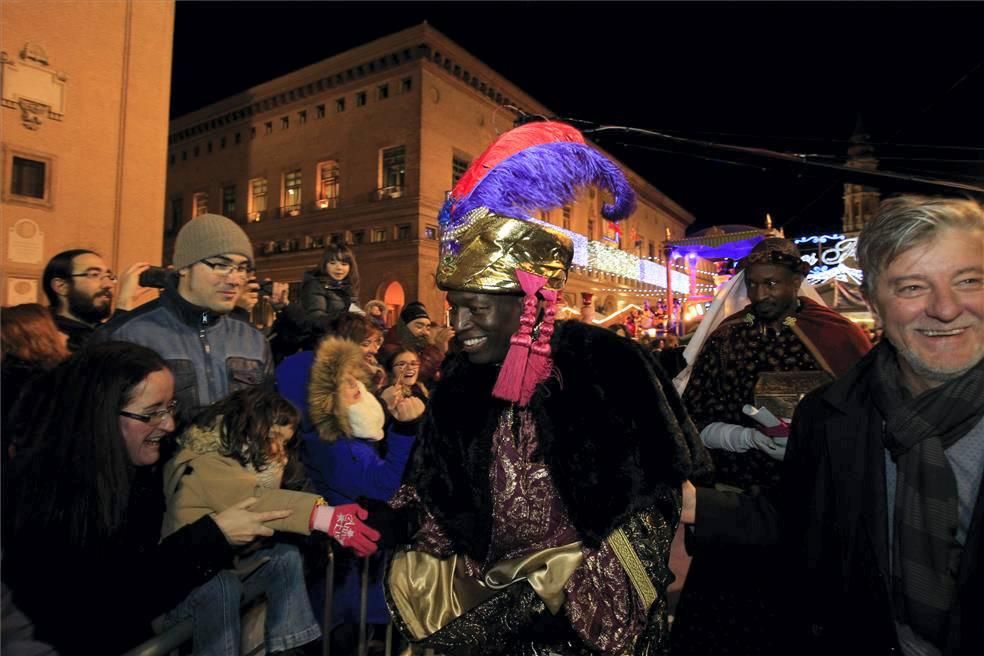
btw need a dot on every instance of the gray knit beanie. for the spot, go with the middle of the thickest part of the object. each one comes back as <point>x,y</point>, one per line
<point>209,235</point>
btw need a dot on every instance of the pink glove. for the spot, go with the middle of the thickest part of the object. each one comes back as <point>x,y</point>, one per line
<point>782,430</point>
<point>344,524</point>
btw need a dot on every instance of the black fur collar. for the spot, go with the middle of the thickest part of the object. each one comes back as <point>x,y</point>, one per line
<point>611,429</point>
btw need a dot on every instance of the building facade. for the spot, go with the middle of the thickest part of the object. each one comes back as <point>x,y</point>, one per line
<point>83,123</point>
<point>364,147</point>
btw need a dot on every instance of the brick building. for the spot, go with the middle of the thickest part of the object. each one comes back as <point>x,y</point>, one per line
<point>364,146</point>
<point>83,123</point>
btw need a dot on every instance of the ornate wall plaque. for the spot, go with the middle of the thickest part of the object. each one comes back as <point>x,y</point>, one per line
<point>31,86</point>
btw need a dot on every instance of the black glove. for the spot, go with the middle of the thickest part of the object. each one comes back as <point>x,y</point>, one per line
<point>394,526</point>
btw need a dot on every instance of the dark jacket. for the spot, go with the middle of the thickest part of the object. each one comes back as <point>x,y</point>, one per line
<point>210,355</point>
<point>101,597</point>
<point>830,513</point>
<point>324,299</point>
<point>611,429</point>
<point>78,332</point>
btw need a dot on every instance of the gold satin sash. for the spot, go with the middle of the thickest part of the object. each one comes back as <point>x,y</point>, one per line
<point>430,592</point>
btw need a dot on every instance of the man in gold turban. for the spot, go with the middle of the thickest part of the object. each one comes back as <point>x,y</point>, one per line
<point>542,495</point>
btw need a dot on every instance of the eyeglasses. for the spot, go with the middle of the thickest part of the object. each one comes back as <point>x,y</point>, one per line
<point>95,275</point>
<point>227,268</point>
<point>155,418</point>
<point>404,365</point>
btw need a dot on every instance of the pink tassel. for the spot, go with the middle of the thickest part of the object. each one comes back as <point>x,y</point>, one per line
<point>540,363</point>
<point>509,384</point>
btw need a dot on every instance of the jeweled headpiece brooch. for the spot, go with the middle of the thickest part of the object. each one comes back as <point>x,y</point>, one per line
<point>491,244</point>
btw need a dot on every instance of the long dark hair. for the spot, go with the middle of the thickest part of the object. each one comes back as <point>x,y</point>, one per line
<point>244,420</point>
<point>73,478</point>
<point>337,250</point>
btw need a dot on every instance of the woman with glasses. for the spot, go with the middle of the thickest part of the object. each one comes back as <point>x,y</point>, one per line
<point>359,329</point>
<point>404,368</point>
<point>84,503</point>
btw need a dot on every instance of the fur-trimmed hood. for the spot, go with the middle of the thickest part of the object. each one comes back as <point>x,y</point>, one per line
<point>610,427</point>
<point>334,358</point>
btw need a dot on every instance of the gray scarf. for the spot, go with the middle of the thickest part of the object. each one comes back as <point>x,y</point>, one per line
<point>925,552</point>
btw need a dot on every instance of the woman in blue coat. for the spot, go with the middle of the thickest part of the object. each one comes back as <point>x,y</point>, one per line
<point>345,454</point>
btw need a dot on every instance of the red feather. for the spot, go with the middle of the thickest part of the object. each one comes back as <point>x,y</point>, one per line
<point>509,143</point>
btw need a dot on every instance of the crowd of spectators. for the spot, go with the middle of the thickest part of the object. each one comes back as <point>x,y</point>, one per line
<point>152,455</point>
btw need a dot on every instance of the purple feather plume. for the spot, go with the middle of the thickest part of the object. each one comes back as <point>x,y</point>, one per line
<point>548,176</point>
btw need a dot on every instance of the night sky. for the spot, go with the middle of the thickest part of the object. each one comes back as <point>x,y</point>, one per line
<point>788,77</point>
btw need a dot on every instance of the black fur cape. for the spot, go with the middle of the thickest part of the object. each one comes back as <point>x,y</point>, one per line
<point>611,429</point>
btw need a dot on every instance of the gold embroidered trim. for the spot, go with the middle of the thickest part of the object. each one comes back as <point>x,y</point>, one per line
<point>626,555</point>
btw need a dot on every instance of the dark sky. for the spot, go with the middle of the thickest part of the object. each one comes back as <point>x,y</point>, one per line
<point>789,77</point>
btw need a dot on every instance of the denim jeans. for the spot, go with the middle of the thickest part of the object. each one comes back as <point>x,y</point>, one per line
<point>214,606</point>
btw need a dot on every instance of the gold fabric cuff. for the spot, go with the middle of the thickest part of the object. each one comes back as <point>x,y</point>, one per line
<point>431,592</point>
<point>633,566</point>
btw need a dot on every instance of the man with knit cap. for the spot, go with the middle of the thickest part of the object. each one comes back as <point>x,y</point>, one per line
<point>412,332</point>
<point>209,354</point>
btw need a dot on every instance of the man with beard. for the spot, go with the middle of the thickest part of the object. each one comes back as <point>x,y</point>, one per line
<point>413,331</point>
<point>540,496</point>
<point>79,287</point>
<point>727,605</point>
<point>209,353</point>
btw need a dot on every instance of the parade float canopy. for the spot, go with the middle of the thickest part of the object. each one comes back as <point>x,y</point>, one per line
<point>721,242</point>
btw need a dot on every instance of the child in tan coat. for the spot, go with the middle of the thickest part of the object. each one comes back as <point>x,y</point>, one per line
<point>237,449</point>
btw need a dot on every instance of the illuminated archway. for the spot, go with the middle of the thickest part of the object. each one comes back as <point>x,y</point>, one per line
<point>394,297</point>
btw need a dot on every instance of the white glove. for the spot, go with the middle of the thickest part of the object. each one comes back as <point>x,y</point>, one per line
<point>731,437</point>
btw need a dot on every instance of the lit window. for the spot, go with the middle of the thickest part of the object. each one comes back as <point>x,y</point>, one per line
<point>567,217</point>
<point>393,172</point>
<point>378,235</point>
<point>200,204</point>
<point>229,201</point>
<point>292,193</point>
<point>257,199</point>
<point>329,190</point>
<point>430,232</point>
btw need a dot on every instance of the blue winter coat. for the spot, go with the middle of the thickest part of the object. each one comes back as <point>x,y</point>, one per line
<point>342,471</point>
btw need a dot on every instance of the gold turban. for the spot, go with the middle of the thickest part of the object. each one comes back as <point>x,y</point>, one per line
<point>483,253</point>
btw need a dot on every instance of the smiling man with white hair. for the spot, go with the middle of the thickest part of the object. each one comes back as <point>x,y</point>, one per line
<point>880,504</point>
